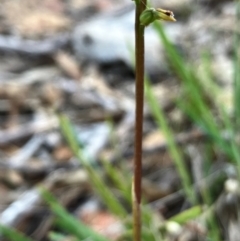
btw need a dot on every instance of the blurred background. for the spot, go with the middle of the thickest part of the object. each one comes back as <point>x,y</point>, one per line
<point>67,120</point>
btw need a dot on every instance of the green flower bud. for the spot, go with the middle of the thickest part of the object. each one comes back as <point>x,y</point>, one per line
<point>149,15</point>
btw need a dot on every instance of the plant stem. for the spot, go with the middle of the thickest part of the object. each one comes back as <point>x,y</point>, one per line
<point>139,100</point>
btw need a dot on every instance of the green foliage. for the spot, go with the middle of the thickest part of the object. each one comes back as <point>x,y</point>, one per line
<point>107,196</point>
<point>160,118</point>
<point>195,101</point>
<point>67,222</point>
<point>120,181</point>
<point>12,234</point>
<point>53,236</point>
<point>198,100</point>
<point>187,215</point>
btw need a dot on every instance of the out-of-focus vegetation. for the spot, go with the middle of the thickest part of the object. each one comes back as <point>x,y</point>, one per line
<point>198,100</point>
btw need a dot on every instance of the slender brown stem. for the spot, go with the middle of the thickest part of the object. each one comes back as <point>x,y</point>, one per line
<point>139,100</point>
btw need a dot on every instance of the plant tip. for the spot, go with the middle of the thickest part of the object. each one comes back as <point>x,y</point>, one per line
<point>149,15</point>
<point>166,15</point>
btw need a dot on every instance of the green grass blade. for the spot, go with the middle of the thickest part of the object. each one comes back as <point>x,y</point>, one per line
<point>174,151</point>
<point>187,215</point>
<point>107,196</point>
<point>121,181</point>
<point>193,101</point>
<point>67,222</point>
<point>53,236</point>
<point>12,234</point>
